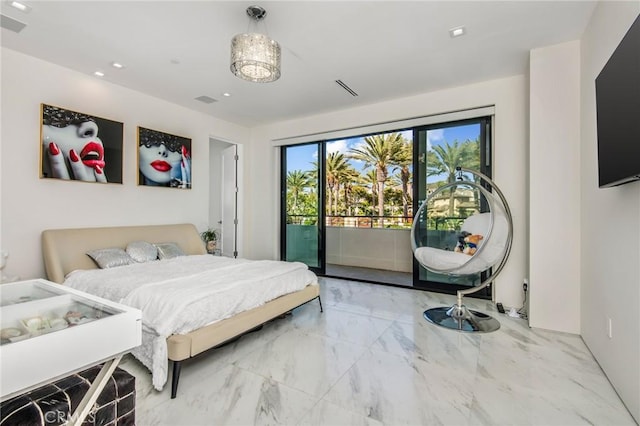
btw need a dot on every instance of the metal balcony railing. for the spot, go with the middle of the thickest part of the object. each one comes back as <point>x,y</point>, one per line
<point>441,223</point>
<point>399,222</point>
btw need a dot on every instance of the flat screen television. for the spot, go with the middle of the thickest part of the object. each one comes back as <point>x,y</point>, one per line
<point>618,113</point>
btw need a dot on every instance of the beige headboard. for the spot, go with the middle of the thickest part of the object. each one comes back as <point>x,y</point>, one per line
<point>64,250</point>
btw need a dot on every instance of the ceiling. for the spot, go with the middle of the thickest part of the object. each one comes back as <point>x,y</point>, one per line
<point>179,50</point>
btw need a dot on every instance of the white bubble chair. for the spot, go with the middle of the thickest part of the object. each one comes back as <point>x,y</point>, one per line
<point>484,211</point>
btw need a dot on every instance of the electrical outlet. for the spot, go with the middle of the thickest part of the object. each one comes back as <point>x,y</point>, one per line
<point>525,284</point>
<point>609,328</point>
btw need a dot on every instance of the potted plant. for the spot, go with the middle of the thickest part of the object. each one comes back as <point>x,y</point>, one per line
<point>210,237</point>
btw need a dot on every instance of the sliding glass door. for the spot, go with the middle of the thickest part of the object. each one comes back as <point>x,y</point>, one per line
<point>438,150</point>
<point>356,195</point>
<point>302,204</point>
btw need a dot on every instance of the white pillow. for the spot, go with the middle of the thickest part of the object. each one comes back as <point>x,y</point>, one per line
<point>110,257</point>
<point>142,251</point>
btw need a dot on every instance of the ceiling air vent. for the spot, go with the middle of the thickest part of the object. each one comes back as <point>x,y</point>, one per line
<point>206,99</point>
<point>347,88</point>
<point>11,24</point>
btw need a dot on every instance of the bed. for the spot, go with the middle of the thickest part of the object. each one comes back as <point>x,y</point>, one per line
<point>254,292</point>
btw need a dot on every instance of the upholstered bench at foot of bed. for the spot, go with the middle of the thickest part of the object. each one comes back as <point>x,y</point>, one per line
<point>184,346</point>
<point>54,403</point>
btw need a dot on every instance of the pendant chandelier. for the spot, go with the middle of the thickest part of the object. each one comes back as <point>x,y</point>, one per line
<point>255,57</point>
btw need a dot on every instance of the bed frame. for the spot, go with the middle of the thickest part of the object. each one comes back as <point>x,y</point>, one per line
<point>64,250</point>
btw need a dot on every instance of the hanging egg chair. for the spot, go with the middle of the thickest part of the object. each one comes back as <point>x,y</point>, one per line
<point>463,228</point>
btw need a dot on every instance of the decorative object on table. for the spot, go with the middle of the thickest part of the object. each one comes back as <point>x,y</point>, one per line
<point>77,318</point>
<point>255,57</point>
<point>12,334</point>
<point>163,159</point>
<point>38,325</point>
<point>210,237</point>
<point>79,146</point>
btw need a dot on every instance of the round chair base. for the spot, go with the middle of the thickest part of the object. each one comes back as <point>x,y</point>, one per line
<point>462,319</point>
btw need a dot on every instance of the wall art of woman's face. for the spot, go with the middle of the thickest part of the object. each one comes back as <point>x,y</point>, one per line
<point>163,159</point>
<point>158,164</point>
<point>72,148</point>
<point>82,138</point>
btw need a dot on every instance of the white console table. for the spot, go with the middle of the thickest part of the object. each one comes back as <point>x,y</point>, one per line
<point>49,331</point>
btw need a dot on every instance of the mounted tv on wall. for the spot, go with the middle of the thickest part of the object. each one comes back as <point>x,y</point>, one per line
<point>618,113</point>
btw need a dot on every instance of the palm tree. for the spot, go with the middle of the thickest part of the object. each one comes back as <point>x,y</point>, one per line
<point>335,166</point>
<point>360,197</point>
<point>370,178</point>
<point>402,162</point>
<point>347,178</point>
<point>449,156</point>
<point>297,182</point>
<point>378,151</point>
<point>472,160</point>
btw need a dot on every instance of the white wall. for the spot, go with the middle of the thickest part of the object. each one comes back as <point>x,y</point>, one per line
<point>610,226</point>
<point>31,204</point>
<point>554,189</point>
<point>509,95</point>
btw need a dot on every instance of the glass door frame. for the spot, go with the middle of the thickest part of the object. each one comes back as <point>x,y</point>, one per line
<point>320,185</point>
<point>486,146</point>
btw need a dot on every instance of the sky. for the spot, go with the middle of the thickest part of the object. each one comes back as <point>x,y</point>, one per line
<point>301,157</point>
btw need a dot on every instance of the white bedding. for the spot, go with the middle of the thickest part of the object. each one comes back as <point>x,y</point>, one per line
<point>182,294</point>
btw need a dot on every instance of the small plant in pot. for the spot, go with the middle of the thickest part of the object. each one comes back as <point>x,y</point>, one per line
<point>210,237</point>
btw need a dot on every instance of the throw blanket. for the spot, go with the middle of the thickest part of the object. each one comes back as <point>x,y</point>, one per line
<point>182,294</point>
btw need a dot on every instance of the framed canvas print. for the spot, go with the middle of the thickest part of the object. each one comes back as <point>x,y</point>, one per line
<point>163,159</point>
<point>79,146</point>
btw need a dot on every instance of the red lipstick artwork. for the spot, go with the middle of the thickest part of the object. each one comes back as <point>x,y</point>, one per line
<point>80,147</point>
<point>163,159</point>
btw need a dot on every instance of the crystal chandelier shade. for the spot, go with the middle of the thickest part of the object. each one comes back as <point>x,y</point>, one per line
<point>255,57</point>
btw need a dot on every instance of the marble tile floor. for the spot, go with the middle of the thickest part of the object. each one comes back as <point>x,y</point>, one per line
<point>371,359</point>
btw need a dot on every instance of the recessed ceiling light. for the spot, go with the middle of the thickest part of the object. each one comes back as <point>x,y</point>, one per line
<point>457,32</point>
<point>98,74</point>
<point>117,65</point>
<point>226,94</point>
<point>20,6</point>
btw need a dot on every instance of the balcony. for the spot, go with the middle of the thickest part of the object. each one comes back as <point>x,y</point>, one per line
<point>366,247</point>
<point>370,242</point>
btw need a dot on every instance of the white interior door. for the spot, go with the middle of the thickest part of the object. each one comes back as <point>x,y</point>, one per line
<point>229,221</point>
